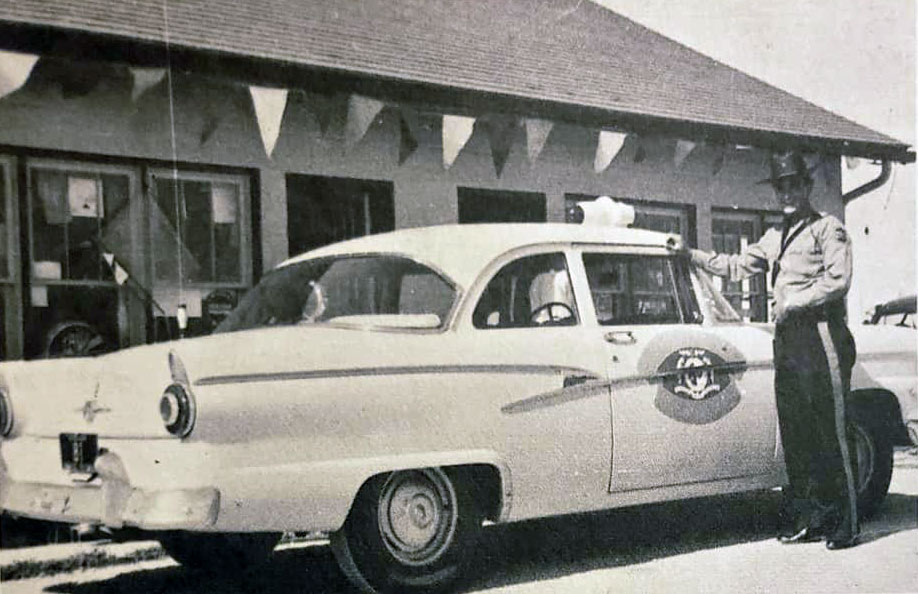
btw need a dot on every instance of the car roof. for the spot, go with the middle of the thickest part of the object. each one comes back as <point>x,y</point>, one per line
<point>461,251</point>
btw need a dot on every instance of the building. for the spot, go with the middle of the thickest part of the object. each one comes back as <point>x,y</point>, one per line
<point>158,153</point>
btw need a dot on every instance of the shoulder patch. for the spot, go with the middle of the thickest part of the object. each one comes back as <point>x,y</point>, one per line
<point>841,235</point>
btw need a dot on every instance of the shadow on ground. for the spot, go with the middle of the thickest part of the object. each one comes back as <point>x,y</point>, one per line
<point>531,551</point>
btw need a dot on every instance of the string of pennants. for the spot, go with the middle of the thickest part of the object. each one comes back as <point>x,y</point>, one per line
<point>270,104</point>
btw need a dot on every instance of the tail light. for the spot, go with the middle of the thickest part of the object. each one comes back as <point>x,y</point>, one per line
<point>6,413</point>
<point>177,409</point>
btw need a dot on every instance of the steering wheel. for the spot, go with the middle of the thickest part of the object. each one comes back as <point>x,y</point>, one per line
<point>549,308</point>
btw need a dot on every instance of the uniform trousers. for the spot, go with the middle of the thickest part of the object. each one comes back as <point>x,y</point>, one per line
<point>813,361</point>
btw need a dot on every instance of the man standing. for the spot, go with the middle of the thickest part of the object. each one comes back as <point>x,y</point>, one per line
<point>810,263</point>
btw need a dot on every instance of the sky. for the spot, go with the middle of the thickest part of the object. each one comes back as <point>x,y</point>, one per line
<point>853,57</point>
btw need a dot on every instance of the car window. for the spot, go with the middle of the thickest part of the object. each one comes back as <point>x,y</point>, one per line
<point>637,289</point>
<point>375,289</point>
<point>532,291</point>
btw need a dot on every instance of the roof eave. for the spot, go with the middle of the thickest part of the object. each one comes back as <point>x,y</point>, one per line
<point>144,52</point>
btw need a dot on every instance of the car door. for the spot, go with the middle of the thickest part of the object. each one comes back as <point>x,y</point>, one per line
<point>691,402</point>
<point>547,386</point>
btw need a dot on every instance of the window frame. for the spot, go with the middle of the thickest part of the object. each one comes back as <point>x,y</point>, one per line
<point>683,211</point>
<point>243,183</point>
<point>761,221</point>
<point>67,166</point>
<point>11,284</point>
<point>687,316</point>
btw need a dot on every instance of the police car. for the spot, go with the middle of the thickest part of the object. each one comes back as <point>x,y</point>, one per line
<point>400,390</point>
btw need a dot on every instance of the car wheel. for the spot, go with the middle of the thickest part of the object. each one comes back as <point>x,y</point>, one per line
<point>219,552</point>
<point>873,457</point>
<point>408,531</point>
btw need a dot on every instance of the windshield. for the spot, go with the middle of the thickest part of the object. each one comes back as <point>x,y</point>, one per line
<point>373,290</point>
<point>719,307</point>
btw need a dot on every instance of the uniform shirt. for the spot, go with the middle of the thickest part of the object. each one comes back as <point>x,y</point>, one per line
<point>815,268</point>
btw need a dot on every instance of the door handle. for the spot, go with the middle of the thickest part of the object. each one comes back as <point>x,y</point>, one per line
<point>620,337</point>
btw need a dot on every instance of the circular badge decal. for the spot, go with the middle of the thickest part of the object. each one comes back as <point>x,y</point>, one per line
<point>694,375</point>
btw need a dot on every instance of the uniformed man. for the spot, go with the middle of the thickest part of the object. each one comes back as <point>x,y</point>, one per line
<point>809,259</point>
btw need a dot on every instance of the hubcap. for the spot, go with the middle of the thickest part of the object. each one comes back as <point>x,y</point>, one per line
<point>417,515</point>
<point>865,456</point>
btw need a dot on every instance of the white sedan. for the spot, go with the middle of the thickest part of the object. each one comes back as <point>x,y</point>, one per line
<point>399,390</point>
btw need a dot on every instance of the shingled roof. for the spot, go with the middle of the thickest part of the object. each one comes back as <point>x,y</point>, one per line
<point>563,53</point>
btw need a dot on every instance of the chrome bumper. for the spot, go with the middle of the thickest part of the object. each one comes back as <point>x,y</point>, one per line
<point>109,499</point>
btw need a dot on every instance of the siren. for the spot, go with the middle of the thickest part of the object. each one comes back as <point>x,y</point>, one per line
<point>603,212</point>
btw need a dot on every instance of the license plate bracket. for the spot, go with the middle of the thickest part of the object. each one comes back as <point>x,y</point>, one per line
<point>79,451</point>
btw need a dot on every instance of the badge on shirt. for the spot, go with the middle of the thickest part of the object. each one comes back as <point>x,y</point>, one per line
<point>840,235</point>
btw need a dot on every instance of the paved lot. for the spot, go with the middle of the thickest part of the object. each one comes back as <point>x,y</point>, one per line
<point>714,545</point>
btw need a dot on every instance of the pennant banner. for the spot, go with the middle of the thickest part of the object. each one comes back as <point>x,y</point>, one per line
<point>144,80</point>
<point>269,111</point>
<point>852,162</point>
<point>720,157</point>
<point>210,125</point>
<point>500,134</point>
<point>322,108</point>
<point>608,147</point>
<point>14,70</point>
<point>537,132</point>
<point>409,125</point>
<point>683,148</point>
<point>640,153</point>
<point>456,132</point>
<point>361,112</point>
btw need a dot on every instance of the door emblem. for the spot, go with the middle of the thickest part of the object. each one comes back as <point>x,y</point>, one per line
<point>698,381</point>
<point>694,374</point>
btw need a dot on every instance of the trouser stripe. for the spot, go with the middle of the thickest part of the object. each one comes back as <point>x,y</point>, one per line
<point>838,394</point>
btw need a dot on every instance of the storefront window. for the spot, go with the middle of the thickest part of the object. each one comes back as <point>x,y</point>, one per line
<point>667,218</point>
<point>732,232</point>
<point>76,217</point>
<point>199,245</point>
<point>323,210</point>
<point>80,226</point>
<point>201,220</point>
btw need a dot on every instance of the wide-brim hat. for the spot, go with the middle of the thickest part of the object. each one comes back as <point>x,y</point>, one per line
<point>787,164</point>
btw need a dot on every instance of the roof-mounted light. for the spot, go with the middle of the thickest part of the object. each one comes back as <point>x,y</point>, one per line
<point>603,212</point>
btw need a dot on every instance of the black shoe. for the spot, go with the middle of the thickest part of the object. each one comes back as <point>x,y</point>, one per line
<point>836,544</point>
<point>801,536</point>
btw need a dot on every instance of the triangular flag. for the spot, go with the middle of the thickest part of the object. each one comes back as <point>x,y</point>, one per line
<point>121,274</point>
<point>361,111</point>
<point>109,258</point>
<point>322,107</point>
<point>14,70</point>
<point>211,123</point>
<point>683,148</point>
<point>144,80</point>
<point>408,126</point>
<point>852,162</point>
<point>719,158</point>
<point>537,132</point>
<point>456,132</point>
<point>500,131</point>
<point>269,111</point>
<point>607,148</point>
<point>639,153</point>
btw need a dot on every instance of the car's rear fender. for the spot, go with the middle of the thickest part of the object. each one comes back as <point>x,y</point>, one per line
<point>880,407</point>
<point>317,496</point>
